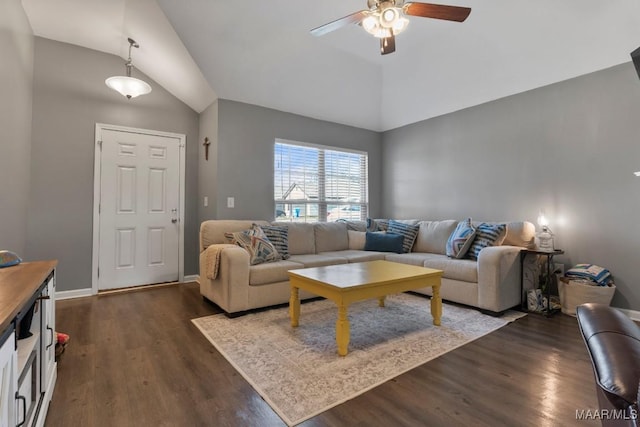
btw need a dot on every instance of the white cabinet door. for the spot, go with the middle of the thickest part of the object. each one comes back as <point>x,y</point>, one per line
<point>9,383</point>
<point>48,341</point>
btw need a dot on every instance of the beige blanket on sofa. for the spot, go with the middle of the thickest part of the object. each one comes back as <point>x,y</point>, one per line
<point>212,259</point>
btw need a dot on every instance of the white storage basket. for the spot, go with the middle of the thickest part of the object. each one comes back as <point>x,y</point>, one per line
<point>574,293</point>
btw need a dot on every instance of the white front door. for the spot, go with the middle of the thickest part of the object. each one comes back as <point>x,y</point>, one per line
<point>138,211</point>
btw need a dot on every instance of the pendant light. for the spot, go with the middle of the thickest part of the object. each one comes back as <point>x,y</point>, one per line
<point>129,86</point>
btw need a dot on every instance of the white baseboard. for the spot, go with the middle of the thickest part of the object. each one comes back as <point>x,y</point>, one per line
<point>632,314</point>
<point>80,293</point>
<point>76,293</point>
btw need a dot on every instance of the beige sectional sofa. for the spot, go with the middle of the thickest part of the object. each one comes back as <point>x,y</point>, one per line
<point>492,283</point>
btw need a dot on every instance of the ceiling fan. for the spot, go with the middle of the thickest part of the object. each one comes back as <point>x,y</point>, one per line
<point>385,19</point>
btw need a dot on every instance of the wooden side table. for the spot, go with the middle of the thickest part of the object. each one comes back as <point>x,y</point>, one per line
<point>549,255</point>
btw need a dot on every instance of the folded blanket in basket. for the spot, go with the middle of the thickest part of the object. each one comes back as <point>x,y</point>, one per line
<point>592,272</point>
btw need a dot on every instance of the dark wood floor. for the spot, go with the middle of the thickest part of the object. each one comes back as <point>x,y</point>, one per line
<point>135,359</point>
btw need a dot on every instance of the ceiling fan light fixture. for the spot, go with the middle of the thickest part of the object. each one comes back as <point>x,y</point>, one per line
<point>400,25</point>
<point>370,23</point>
<point>389,16</point>
<point>385,23</point>
<point>126,85</point>
<point>385,19</point>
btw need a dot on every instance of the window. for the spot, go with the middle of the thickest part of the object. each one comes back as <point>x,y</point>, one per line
<point>316,183</point>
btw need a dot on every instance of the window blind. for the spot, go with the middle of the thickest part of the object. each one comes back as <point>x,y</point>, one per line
<point>316,183</point>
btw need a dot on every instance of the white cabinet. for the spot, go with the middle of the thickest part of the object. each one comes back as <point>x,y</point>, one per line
<point>8,380</point>
<point>48,341</point>
<point>27,335</point>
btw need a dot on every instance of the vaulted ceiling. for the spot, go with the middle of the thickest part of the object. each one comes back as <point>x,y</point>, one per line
<point>260,52</point>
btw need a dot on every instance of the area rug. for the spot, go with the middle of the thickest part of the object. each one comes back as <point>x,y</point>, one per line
<point>298,372</point>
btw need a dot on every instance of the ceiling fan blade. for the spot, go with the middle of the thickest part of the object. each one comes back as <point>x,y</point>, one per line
<point>437,11</point>
<point>354,18</point>
<point>387,45</point>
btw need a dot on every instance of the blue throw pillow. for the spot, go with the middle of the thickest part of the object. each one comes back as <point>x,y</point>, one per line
<point>461,239</point>
<point>383,242</point>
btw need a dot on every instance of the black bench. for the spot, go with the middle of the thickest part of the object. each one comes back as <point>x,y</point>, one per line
<point>613,343</point>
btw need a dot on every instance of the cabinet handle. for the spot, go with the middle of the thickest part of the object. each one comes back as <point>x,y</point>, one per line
<point>24,409</point>
<point>51,331</point>
<point>44,297</point>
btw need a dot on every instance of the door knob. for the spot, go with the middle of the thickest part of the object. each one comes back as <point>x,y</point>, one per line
<point>174,220</point>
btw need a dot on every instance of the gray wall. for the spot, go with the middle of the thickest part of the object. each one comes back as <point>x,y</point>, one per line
<point>207,169</point>
<point>16,76</point>
<point>570,148</point>
<point>246,134</point>
<point>70,97</point>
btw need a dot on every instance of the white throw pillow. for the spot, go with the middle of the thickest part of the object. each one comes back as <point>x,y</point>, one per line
<point>357,239</point>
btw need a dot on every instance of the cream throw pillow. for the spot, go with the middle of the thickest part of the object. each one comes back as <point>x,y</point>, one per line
<point>356,240</point>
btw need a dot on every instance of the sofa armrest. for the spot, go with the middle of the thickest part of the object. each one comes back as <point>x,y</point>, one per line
<point>230,289</point>
<point>612,339</point>
<point>499,278</point>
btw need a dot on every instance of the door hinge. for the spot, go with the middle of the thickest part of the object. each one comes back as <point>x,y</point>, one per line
<point>100,144</point>
<point>98,271</point>
<point>99,208</point>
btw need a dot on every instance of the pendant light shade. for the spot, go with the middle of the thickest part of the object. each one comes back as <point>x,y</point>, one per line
<point>126,85</point>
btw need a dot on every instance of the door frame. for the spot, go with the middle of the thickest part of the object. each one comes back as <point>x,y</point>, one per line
<point>97,174</point>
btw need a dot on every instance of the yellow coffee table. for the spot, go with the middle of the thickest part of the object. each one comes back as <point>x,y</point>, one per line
<point>347,283</point>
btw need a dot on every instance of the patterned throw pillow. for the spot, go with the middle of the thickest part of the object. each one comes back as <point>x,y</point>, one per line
<point>461,239</point>
<point>279,237</point>
<point>255,230</point>
<point>374,225</point>
<point>409,232</point>
<point>486,235</point>
<point>256,243</point>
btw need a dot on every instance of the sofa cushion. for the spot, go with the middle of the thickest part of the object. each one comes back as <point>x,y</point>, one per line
<point>456,269</point>
<point>433,236</point>
<point>461,239</point>
<point>317,260</point>
<point>271,272</point>
<point>212,231</point>
<point>279,237</point>
<point>486,235</point>
<point>381,241</point>
<point>356,256</point>
<point>357,239</point>
<point>256,243</point>
<point>331,236</point>
<point>354,225</point>
<point>408,231</point>
<point>520,233</point>
<point>413,258</point>
<point>301,237</point>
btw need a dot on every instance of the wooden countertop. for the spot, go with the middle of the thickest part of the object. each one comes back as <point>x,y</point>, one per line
<point>17,286</point>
